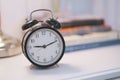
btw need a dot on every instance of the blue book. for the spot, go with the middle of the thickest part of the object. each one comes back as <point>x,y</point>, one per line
<point>91,45</point>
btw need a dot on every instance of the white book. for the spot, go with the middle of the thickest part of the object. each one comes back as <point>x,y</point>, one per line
<point>91,38</point>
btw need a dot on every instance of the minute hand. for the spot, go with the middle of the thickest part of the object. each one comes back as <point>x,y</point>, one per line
<point>51,43</point>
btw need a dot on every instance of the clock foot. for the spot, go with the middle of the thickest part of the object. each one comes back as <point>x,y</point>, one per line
<point>34,67</point>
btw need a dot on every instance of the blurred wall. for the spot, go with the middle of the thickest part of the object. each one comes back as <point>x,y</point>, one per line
<point>77,7</point>
<point>108,9</point>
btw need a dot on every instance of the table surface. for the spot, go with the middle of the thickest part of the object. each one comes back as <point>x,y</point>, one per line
<point>73,66</point>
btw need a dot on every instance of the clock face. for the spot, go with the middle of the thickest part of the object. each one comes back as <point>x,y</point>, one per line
<point>44,46</point>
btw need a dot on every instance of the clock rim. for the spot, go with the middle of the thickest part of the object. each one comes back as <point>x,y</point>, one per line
<point>27,37</point>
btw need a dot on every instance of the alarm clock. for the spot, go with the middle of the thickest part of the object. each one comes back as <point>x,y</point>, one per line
<point>43,45</point>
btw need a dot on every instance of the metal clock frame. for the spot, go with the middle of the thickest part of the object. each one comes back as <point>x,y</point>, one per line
<point>26,37</point>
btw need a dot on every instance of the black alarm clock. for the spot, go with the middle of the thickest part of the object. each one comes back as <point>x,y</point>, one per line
<point>43,45</point>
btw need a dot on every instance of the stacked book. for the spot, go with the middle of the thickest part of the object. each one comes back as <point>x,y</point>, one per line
<point>80,34</point>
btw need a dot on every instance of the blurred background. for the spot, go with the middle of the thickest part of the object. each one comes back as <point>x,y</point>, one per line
<point>85,23</point>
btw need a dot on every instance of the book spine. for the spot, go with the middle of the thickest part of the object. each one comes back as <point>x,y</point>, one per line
<point>100,28</point>
<point>91,45</point>
<point>84,30</point>
<point>90,38</point>
<point>90,22</point>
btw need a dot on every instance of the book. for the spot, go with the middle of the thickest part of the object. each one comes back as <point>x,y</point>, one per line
<point>84,33</point>
<point>80,22</point>
<point>84,30</point>
<point>75,30</point>
<point>90,45</point>
<point>90,39</point>
<point>102,28</point>
<point>68,21</point>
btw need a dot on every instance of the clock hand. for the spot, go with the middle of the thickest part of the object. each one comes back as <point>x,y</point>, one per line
<point>40,46</point>
<point>51,43</point>
<point>44,46</point>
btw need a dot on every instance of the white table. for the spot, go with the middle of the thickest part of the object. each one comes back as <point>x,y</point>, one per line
<point>93,64</point>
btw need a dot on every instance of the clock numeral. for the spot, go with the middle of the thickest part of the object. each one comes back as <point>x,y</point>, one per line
<point>32,40</point>
<point>37,35</point>
<point>32,54</point>
<point>43,32</point>
<point>38,58</point>
<point>50,33</point>
<point>51,57</point>
<point>56,52</point>
<point>44,60</point>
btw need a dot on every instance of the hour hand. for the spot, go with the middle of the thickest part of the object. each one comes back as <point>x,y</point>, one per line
<point>39,46</point>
